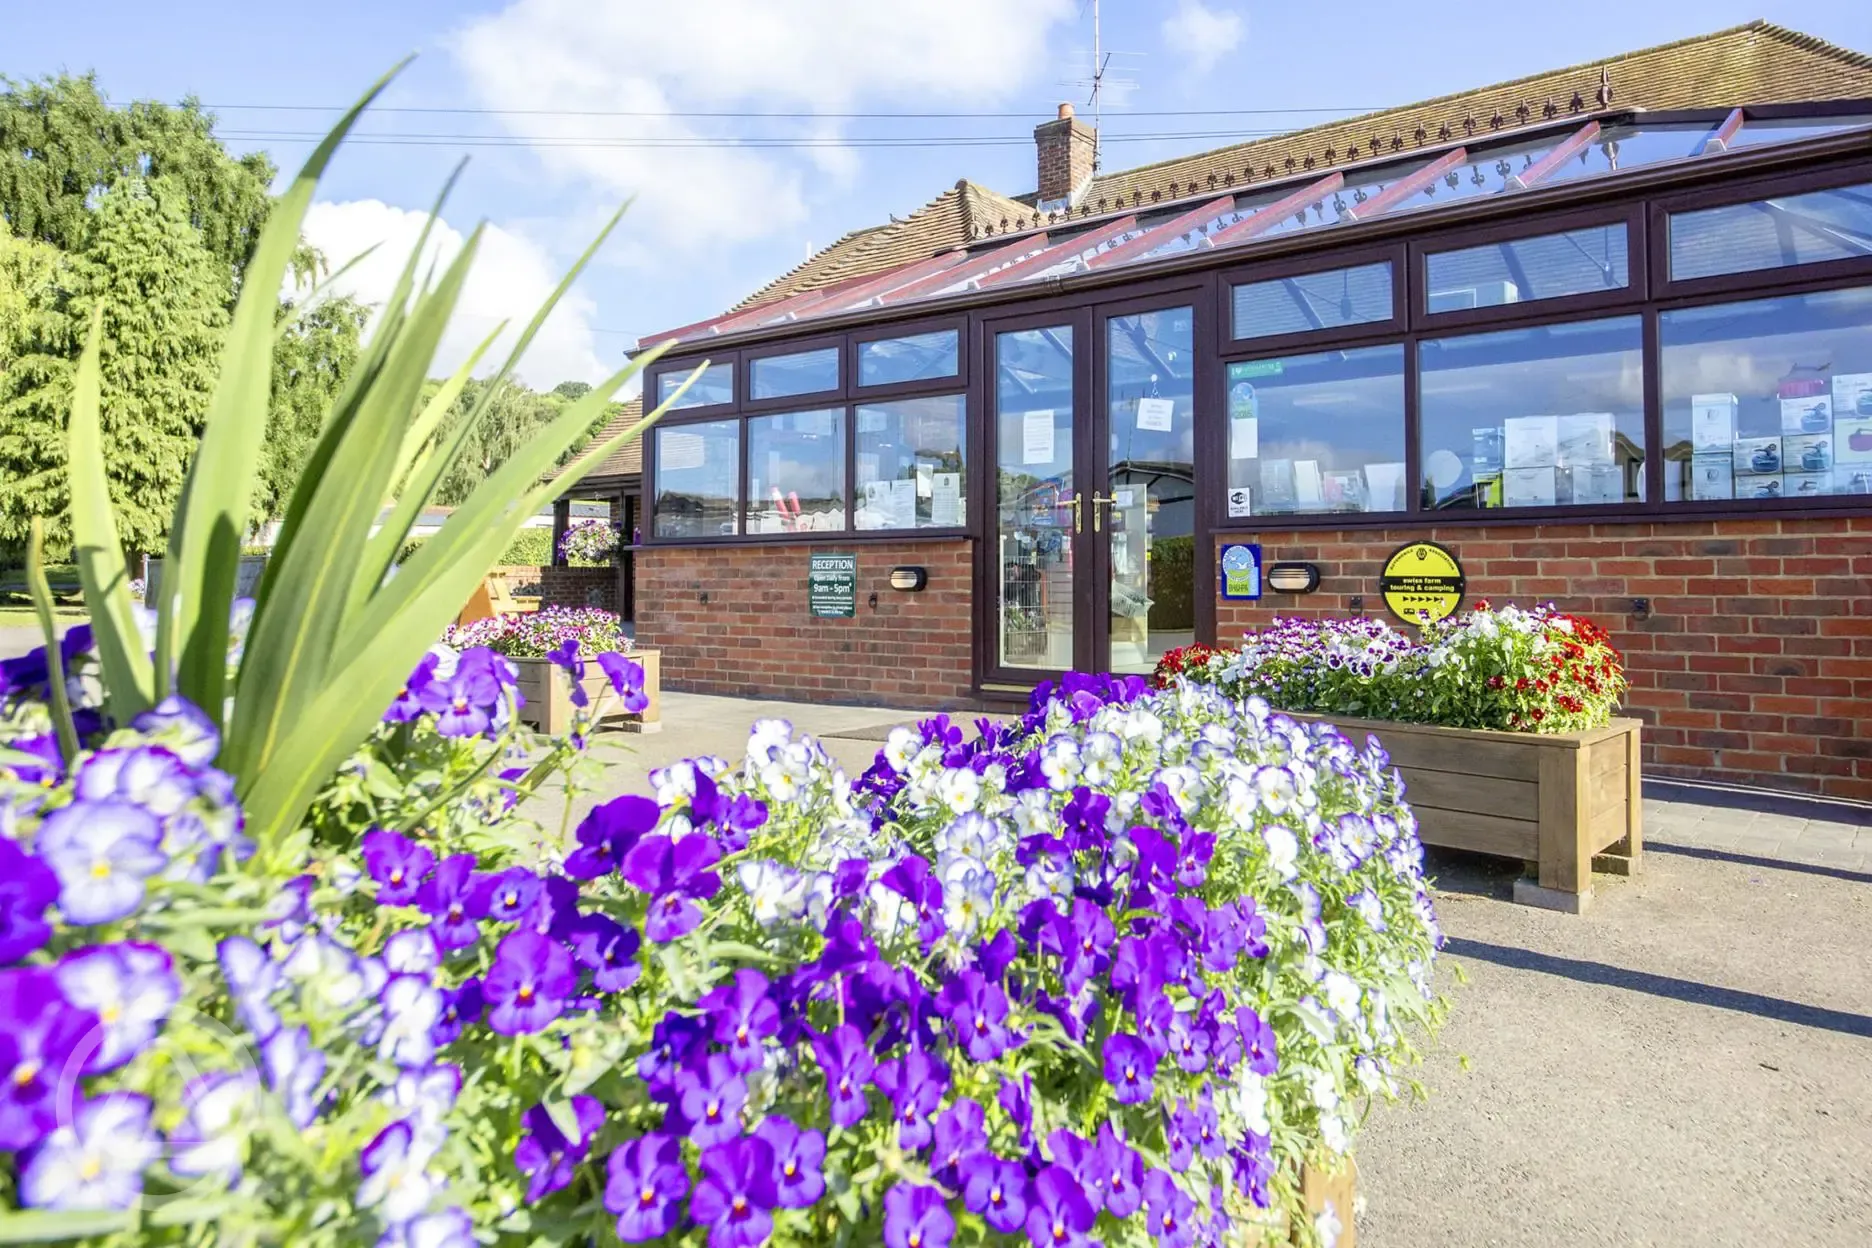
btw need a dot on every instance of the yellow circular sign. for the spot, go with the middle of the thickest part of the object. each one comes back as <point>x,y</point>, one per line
<point>1422,583</point>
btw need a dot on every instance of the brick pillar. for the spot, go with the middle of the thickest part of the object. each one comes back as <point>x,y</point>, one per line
<point>1064,150</point>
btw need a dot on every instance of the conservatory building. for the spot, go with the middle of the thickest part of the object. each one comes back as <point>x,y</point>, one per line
<point>1600,337</point>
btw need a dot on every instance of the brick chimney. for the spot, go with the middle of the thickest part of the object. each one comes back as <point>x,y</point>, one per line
<point>1064,150</point>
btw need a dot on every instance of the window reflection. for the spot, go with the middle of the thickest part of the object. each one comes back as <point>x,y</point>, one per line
<point>1317,433</point>
<point>1534,417</point>
<point>715,385</point>
<point>796,472</point>
<point>1525,270</point>
<point>1313,301</point>
<point>1033,553</point>
<point>910,473</point>
<point>801,372</point>
<point>1772,233</point>
<point>1768,399</point>
<point>698,479</point>
<point>913,357</point>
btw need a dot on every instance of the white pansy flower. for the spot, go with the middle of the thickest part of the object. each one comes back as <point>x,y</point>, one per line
<point>1283,850</point>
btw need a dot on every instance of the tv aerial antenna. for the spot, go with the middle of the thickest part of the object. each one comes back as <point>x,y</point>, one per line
<point>1101,79</point>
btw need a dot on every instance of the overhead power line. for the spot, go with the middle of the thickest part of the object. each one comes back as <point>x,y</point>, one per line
<point>704,141</point>
<point>1028,115</point>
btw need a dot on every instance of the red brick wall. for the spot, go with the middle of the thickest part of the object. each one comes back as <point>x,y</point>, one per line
<point>1754,666</point>
<point>754,637</point>
<point>579,587</point>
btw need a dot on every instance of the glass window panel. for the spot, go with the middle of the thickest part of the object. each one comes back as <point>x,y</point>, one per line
<point>1317,433</point>
<point>1534,417</point>
<point>1150,518</point>
<point>914,357</point>
<point>1772,233</point>
<point>1627,147</point>
<point>715,385</point>
<point>1525,270</point>
<point>1312,301</point>
<point>796,472</point>
<point>910,473</point>
<point>1792,129</point>
<point>698,479</point>
<point>1768,399</point>
<point>803,372</point>
<point>1032,556</point>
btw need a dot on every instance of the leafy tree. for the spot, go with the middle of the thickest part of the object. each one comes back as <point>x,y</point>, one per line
<point>27,273</point>
<point>316,350</point>
<point>164,298</point>
<point>62,144</point>
<point>572,390</point>
<point>514,414</point>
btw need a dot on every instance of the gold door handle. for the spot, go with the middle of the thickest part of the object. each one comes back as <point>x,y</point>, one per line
<point>1078,520</point>
<point>1098,498</point>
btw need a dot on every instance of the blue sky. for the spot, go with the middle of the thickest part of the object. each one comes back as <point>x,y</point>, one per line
<point>712,223</point>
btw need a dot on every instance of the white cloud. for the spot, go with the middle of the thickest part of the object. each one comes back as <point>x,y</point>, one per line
<point>1201,35</point>
<point>807,56</point>
<point>510,278</point>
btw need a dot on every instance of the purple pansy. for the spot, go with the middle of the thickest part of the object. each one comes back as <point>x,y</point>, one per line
<point>798,1154</point>
<point>673,871</point>
<point>644,1185</point>
<point>978,1012</point>
<point>546,1156</point>
<point>101,852</point>
<point>409,701</point>
<point>914,1083</point>
<point>529,983</point>
<point>916,1217</point>
<point>1058,1213</point>
<point>96,1161</point>
<point>129,987</point>
<point>744,1017</point>
<point>40,1034</point>
<point>1257,1041</point>
<point>506,896</point>
<point>1169,1211</point>
<point>710,1097</point>
<point>608,950</point>
<point>995,1189</point>
<point>847,1062</point>
<point>398,865</point>
<point>627,677</point>
<point>1130,1067</point>
<point>736,1193</point>
<point>566,655</point>
<point>450,898</point>
<point>606,834</point>
<point>27,887</point>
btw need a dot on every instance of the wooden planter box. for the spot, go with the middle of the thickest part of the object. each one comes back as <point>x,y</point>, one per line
<point>547,689</point>
<point>1564,803</point>
<point>1319,1190</point>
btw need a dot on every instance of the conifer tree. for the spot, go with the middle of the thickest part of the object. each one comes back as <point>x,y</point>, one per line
<point>164,299</point>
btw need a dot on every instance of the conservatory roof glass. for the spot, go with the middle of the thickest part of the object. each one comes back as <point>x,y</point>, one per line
<point>1424,180</point>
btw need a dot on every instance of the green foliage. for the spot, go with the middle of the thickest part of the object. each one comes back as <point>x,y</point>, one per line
<point>28,272</point>
<point>1172,583</point>
<point>407,550</point>
<point>510,415</point>
<point>530,548</point>
<point>61,144</point>
<point>316,351</point>
<point>572,389</point>
<point>163,298</point>
<point>332,635</point>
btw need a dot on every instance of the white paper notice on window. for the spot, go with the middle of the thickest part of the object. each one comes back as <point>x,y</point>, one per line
<point>900,504</point>
<point>926,473</point>
<point>1037,437</point>
<point>677,452</point>
<point>946,500</point>
<point>1245,438</point>
<point>1156,415</point>
<point>1239,503</point>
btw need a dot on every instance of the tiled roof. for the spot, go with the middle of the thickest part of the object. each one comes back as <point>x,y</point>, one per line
<point>965,211</point>
<point>627,460</point>
<point>1759,63</point>
<point>1754,64</point>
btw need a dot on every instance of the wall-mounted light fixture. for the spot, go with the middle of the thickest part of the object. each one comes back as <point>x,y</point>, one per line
<point>910,580</point>
<point>1293,578</point>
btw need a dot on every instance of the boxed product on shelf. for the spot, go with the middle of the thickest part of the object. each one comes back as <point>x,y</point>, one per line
<point>1528,487</point>
<point>1806,452</point>
<point>1852,439</point>
<point>1852,395</point>
<point>1713,422</point>
<point>1763,485</point>
<point>1810,414</point>
<point>1584,438</point>
<point>1598,483</point>
<point>1757,456</point>
<point>1853,480</point>
<point>1806,485</point>
<point>1712,476</point>
<point>1530,441</point>
<point>1485,456</point>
